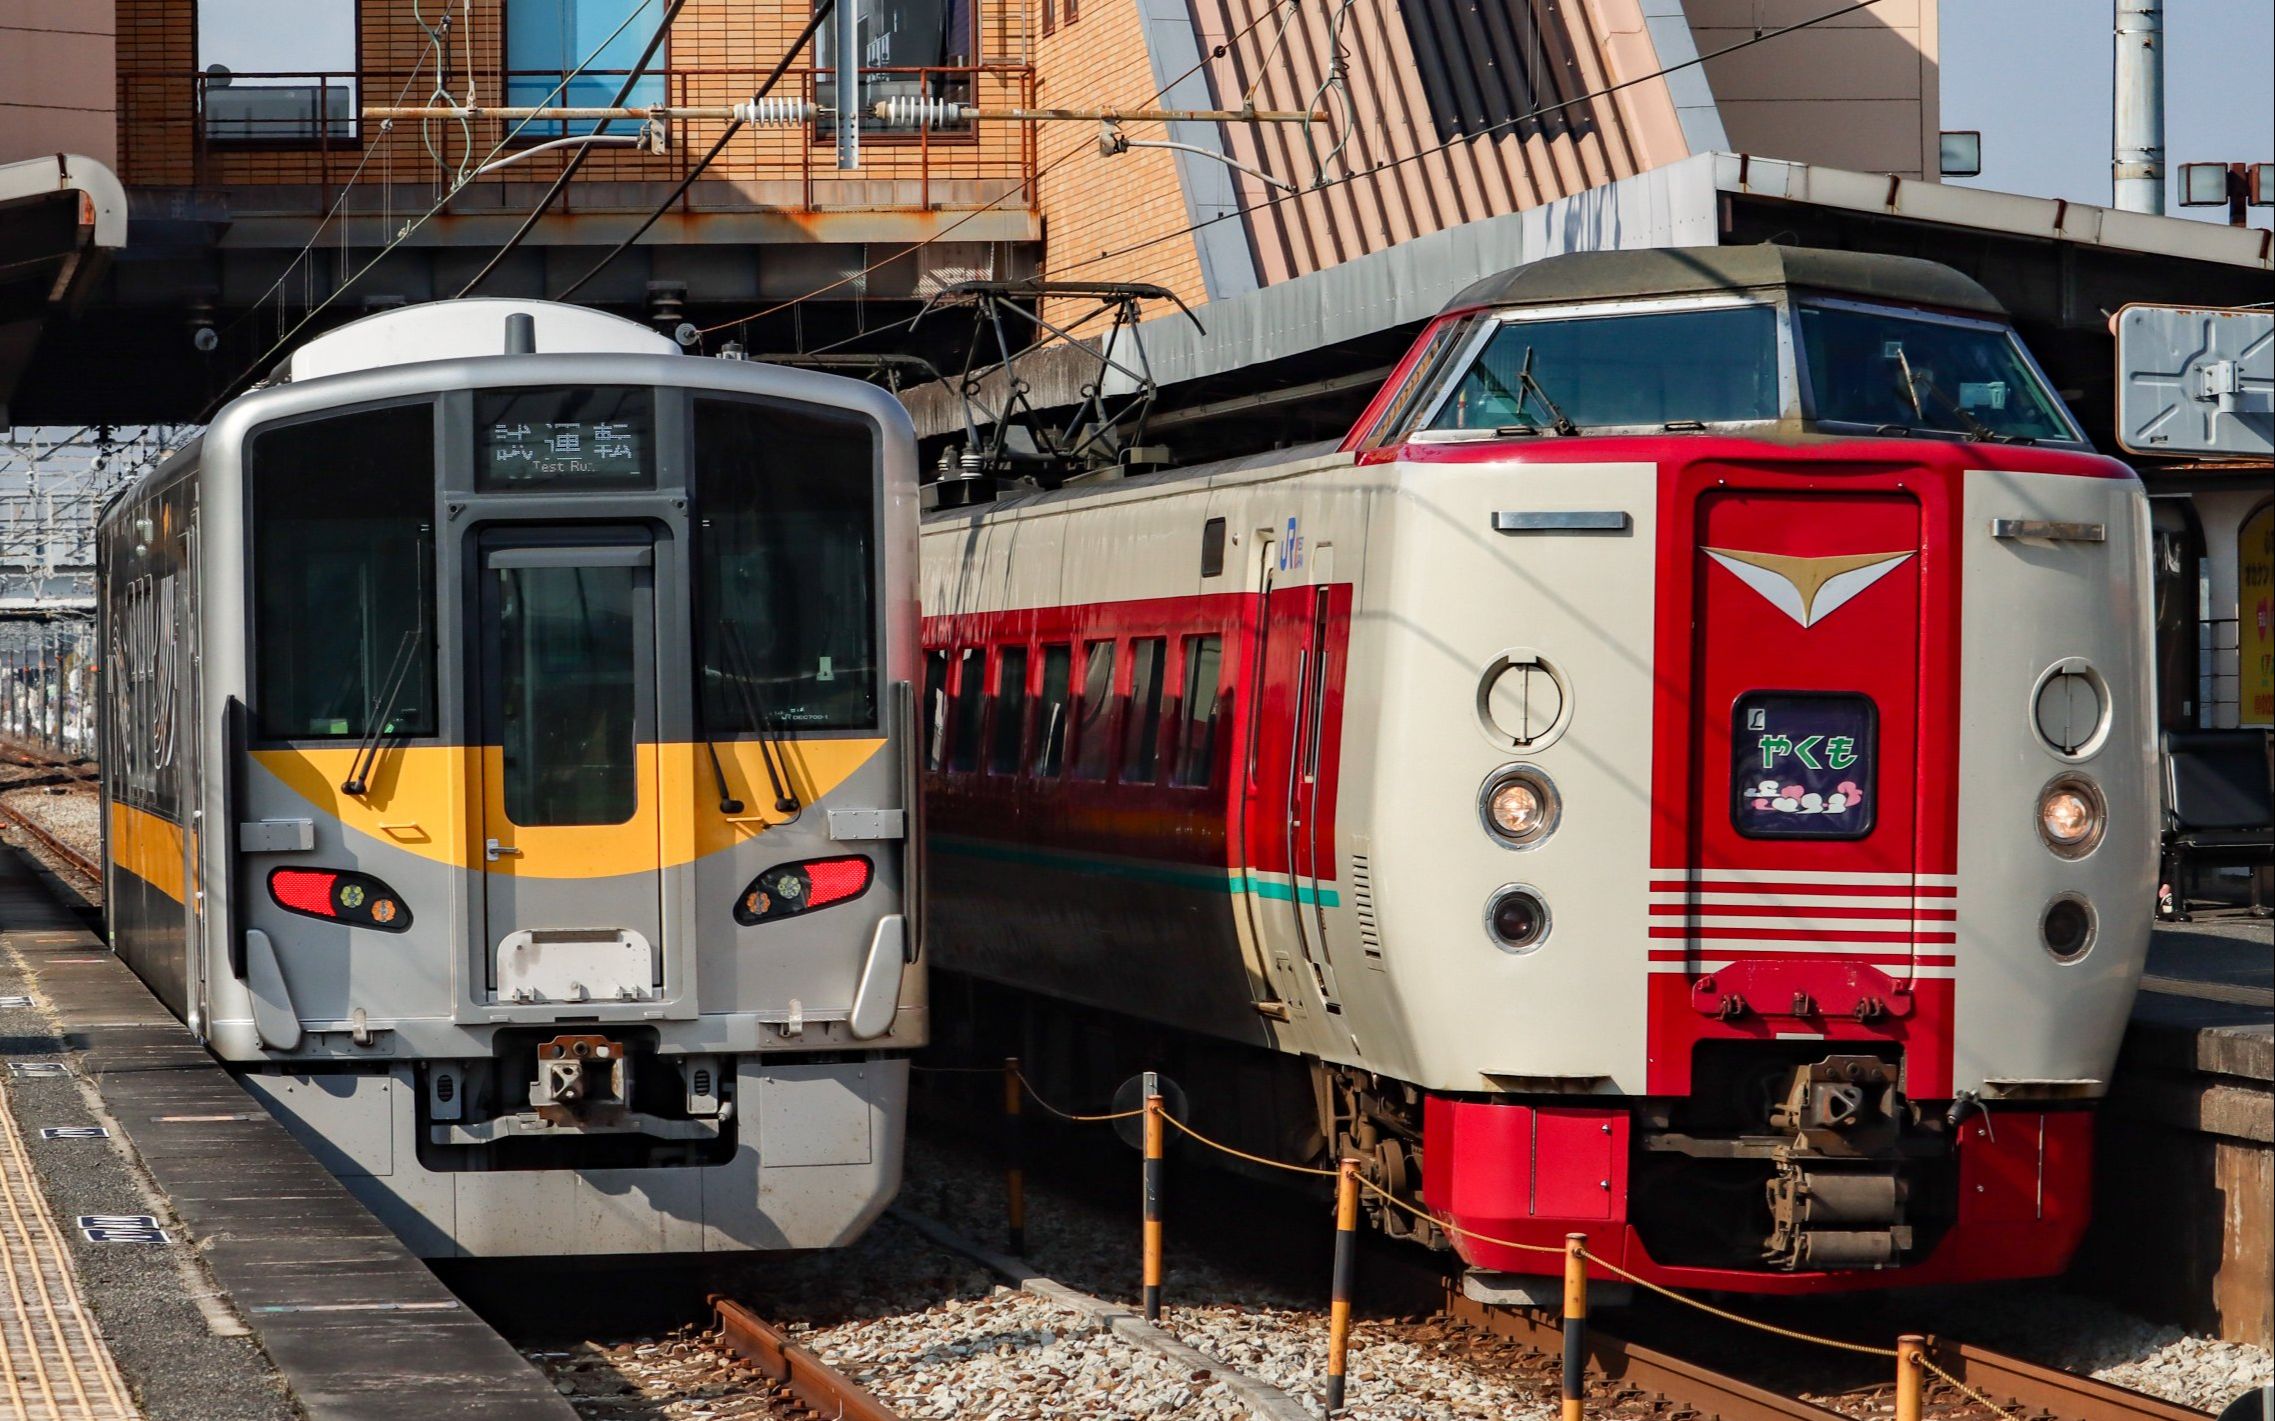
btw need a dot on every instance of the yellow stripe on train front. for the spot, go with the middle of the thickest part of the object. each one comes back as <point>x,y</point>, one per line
<point>421,800</point>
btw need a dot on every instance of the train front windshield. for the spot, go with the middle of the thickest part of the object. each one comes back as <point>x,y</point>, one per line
<point>1907,370</point>
<point>1711,365</point>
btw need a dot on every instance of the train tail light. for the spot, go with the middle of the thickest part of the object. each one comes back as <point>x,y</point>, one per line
<point>1517,918</point>
<point>356,899</point>
<point>789,889</point>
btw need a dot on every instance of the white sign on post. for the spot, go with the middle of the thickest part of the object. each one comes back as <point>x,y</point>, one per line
<point>2196,380</point>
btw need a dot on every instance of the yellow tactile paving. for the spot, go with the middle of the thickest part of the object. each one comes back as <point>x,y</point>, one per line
<point>53,1364</point>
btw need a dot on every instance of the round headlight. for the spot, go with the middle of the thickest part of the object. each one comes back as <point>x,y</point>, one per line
<point>2072,816</point>
<point>1519,806</point>
<point>1517,810</point>
<point>1516,918</point>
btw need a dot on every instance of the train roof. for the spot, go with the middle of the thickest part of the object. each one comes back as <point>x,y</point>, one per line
<point>1695,271</point>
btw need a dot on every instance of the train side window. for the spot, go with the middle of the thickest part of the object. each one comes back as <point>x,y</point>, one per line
<point>1051,712</point>
<point>1093,750</point>
<point>1141,729</point>
<point>1196,737</point>
<point>343,559</point>
<point>971,684</point>
<point>1010,727</point>
<point>935,706</point>
<point>1212,548</point>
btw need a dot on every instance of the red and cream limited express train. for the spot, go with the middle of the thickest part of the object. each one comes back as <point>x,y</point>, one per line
<point>1678,771</point>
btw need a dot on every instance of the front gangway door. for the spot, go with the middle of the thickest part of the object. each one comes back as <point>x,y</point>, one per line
<point>570,833</point>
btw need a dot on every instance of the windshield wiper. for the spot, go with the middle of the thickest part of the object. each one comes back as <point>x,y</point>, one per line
<point>1529,384</point>
<point>1975,429</point>
<point>382,710</point>
<point>728,804</point>
<point>754,706</point>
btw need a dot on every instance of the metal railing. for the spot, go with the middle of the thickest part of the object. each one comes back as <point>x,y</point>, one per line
<point>304,129</point>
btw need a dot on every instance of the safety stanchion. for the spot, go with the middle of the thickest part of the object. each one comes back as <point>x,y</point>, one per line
<point>1014,1160</point>
<point>1908,1353</point>
<point>1153,1147</point>
<point>1339,1289</point>
<point>1576,1325</point>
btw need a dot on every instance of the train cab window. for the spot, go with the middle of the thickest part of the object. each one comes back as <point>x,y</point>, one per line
<point>568,692</point>
<point>1051,710</point>
<point>1009,727</point>
<point>1196,735</point>
<point>1884,367</point>
<point>343,557</point>
<point>1093,751</point>
<point>786,555</point>
<point>1712,365</point>
<point>971,683</point>
<point>1141,728</point>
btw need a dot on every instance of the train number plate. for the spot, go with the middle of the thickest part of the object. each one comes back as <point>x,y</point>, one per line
<point>1802,765</point>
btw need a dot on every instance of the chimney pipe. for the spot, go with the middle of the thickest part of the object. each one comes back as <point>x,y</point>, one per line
<point>521,334</point>
<point>2137,144</point>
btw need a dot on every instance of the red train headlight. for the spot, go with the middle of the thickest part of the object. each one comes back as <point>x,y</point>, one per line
<point>788,889</point>
<point>357,899</point>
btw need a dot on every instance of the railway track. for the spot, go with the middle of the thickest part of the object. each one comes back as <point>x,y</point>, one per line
<point>2016,1389</point>
<point>806,1379</point>
<point>50,846</point>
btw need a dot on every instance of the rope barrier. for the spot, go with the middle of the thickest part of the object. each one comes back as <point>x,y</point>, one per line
<point>1790,1334</point>
<point>1432,1219</point>
<point>1967,1391</point>
<point>1243,1154</point>
<point>1862,1348</point>
<point>1037,1097</point>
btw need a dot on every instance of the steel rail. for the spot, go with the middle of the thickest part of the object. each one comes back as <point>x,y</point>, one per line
<point>1687,1384</point>
<point>814,1384</point>
<point>2048,1392</point>
<point>72,859</point>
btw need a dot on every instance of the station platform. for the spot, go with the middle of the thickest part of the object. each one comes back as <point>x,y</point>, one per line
<point>170,1250</point>
<point>2184,1222</point>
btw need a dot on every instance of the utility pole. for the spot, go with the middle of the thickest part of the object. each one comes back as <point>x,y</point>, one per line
<point>2137,144</point>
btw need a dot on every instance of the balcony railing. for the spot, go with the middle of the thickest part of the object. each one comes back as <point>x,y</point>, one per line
<point>303,131</point>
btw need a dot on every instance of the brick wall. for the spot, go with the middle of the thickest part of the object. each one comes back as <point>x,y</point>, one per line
<point>719,51</point>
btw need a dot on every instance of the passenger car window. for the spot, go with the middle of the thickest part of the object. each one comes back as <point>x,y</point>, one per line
<point>1141,729</point>
<point>1196,736</point>
<point>971,682</point>
<point>786,613</point>
<point>1093,752</point>
<point>1010,726</point>
<point>1051,712</point>
<point>343,558</point>
<point>1717,365</point>
<point>935,706</point>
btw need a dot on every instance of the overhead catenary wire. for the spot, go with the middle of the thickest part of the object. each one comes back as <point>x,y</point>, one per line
<point>805,37</point>
<point>577,159</point>
<point>1244,209</point>
<point>1217,51</point>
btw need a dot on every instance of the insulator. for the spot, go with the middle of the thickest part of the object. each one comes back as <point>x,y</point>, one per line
<point>918,112</point>
<point>773,112</point>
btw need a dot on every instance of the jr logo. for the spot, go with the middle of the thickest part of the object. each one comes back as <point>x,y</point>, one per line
<point>1291,547</point>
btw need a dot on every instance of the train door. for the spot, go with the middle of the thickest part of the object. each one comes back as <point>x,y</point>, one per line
<point>566,705</point>
<point>189,711</point>
<point>1280,831</point>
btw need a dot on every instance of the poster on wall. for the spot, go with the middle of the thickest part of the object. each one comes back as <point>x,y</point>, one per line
<point>2255,610</point>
